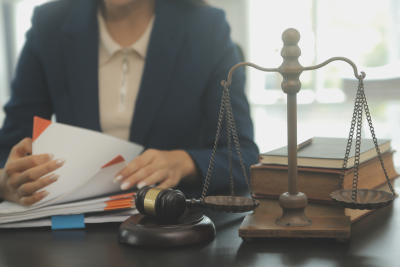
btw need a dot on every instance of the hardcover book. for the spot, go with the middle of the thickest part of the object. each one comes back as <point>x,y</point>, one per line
<point>326,152</point>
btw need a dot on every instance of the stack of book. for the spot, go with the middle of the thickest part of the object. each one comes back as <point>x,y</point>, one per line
<point>319,168</point>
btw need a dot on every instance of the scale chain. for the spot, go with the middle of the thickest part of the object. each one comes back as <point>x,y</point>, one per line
<point>228,131</point>
<point>211,165</point>
<point>358,143</point>
<point>349,142</point>
<point>369,119</point>
<point>231,128</point>
<point>360,103</point>
<point>237,144</point>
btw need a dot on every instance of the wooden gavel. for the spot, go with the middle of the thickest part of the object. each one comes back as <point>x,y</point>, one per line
<point>165,204</point>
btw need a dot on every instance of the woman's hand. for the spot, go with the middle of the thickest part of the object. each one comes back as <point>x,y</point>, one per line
<point>19,180</point>
<point>155,166</point>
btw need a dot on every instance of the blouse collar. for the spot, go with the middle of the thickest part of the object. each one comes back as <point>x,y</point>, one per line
<point>111,47</point>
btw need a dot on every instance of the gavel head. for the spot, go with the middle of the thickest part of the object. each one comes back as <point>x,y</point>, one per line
<point>166,204</point>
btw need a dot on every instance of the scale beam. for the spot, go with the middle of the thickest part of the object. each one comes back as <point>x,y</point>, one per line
<point>361,76</point>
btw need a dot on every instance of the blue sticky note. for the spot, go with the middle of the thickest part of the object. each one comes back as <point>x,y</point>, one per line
<point>67,222</point>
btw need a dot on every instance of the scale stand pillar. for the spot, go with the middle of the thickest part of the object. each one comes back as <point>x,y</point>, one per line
<point>293,222</point>
<point>292,202</point>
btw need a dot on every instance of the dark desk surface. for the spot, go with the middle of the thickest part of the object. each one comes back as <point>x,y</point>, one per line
<point>375,241</point>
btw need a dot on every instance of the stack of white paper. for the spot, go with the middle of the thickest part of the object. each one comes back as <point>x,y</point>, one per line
<point>103,217</point>
<point>92,161</point>
<point>125,201</point>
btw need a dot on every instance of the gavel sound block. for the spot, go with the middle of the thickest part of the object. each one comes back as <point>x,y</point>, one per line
<point>165,220</point>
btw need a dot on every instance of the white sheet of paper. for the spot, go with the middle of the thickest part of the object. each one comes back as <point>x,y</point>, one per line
<point>66,205</point>
<point>85,152</point>
<point>99,184</point>
<point>45,213</point>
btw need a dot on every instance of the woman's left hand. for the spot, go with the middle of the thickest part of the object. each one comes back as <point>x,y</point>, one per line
<point>167,168</point>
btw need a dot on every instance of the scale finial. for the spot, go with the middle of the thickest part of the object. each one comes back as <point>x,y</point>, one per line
<point>290,37</point>
<point>290,68</point>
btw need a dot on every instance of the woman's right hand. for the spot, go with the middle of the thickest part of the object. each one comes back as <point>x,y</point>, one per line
<point>19,180</point>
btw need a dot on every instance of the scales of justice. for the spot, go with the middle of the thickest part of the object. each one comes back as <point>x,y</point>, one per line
<point>165,219</point>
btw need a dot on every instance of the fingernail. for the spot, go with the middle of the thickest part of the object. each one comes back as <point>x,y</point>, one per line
<point>141,184</point>
<point>54,177</point>
<point>44,194</point>
<point>51,156</point>
<point>60,162</point>
<point>117,179</point>
<point>125,185</point>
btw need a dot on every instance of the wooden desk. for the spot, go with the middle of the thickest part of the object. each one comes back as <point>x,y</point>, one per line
<point>375,241</point>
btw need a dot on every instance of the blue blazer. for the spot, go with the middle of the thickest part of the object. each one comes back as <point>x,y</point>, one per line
<point>189,53</point>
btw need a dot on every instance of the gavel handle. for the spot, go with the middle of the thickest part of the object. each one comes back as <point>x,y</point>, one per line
<point>193,203</point>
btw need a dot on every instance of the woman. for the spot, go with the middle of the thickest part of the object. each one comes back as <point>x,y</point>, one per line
<point>148,71</point>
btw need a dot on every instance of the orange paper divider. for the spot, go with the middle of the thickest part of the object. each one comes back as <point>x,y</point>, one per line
<point>116,203</point>
<point>39,125</point>
<point>123,195</point>
<point>117,159</point>
<point>120,207</point>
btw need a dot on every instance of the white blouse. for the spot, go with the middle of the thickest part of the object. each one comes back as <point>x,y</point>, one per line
<point>120,74</point>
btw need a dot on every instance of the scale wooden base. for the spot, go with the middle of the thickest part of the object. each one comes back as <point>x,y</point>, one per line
<point>263,226</point>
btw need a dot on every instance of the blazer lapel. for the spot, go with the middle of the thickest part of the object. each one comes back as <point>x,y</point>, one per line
<point>80,44</point>
<point>162,53</point>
